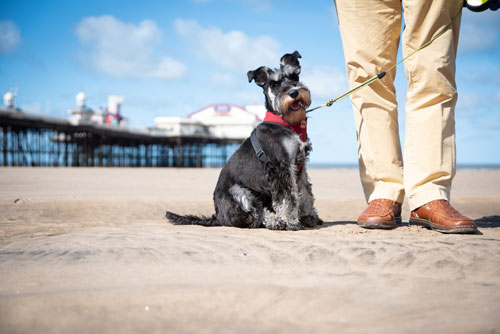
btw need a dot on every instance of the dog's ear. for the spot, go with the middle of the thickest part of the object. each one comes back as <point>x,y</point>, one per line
<point>259,75</point>
<point>289,64</point>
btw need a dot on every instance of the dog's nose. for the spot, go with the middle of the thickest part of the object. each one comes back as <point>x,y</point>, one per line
<point>293,93</point>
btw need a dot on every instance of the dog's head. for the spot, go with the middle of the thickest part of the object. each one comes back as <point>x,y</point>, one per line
<point>285,94</point>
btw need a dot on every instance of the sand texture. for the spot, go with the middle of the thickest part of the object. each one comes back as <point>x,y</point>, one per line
<point>89,251</point>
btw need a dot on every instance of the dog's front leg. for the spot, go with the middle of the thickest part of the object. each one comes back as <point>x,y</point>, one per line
<point>285,206</point>
<point>307,213</point>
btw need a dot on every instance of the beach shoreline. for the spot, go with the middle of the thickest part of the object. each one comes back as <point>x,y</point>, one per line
<point>89,250</point>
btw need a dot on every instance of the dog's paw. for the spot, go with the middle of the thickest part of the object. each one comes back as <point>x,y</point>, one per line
<point>273,222</point>
<point>277,224</point>
<point>310,221</point>
<point>295,226</point>
<point>319,221</point>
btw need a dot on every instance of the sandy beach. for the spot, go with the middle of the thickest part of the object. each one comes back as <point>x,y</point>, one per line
<point>89,251</point>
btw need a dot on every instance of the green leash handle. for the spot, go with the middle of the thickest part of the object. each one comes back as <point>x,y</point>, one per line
<point>355,89</point>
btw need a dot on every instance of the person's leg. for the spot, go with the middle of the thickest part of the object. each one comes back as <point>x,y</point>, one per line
<point>370,31</point>
<point>430,125</point>
<point>430,159</point>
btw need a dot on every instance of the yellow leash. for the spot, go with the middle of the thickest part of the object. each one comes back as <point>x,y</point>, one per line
<point>382,74</point>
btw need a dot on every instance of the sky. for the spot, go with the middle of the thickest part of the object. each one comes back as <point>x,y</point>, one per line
<point>172,58</point>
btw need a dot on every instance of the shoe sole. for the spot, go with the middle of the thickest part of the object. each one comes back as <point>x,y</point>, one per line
<point>450,230</point>
<point>381,225</point>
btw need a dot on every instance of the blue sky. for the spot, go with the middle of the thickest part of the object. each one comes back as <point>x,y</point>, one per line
<point>171,58</point>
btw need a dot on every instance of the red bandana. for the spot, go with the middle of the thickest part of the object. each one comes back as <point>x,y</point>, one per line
<point>299,128</point>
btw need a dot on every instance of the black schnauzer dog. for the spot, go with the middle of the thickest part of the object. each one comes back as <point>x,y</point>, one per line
<point>265,182</point>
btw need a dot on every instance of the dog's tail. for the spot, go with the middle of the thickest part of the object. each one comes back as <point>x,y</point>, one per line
<point>191,220</point>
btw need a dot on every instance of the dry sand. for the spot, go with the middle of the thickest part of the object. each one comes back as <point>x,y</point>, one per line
<point>88,251</point>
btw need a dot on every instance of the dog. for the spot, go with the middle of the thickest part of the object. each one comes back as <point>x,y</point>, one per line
<point>265,182</point>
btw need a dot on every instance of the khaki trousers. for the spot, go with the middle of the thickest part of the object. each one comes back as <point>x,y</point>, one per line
<point>370,31</point>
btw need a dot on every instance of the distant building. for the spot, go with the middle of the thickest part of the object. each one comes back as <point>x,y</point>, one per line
<point>217,120</point>
<point>113,111</point>
<point>83,115</point>
<point>9,100</point>
<point>177,127</point>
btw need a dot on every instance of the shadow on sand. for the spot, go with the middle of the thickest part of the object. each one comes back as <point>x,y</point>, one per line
<point>335,223</point>
<point>488,221</point>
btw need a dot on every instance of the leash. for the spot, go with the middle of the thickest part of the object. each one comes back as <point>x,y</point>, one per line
<point>382,74</point>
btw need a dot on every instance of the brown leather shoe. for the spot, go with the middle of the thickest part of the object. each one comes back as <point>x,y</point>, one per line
<point>439,215</point>
<point>381,213</point>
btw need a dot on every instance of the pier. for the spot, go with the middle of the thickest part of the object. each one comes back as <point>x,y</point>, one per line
<point>43,141</point>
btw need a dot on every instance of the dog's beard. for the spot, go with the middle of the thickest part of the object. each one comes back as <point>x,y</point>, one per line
<point>294,110</point>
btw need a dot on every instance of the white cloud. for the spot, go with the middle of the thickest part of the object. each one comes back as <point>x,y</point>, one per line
<point>126,50</point>
<point>10,37</point>
<point>324,82</point>
<point>233,50</point>
<point>479,31</point>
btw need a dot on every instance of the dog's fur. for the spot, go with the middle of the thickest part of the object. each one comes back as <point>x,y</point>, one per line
<point>276,195</point>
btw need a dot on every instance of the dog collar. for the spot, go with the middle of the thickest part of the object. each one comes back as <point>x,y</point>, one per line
<point>300,128</point>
